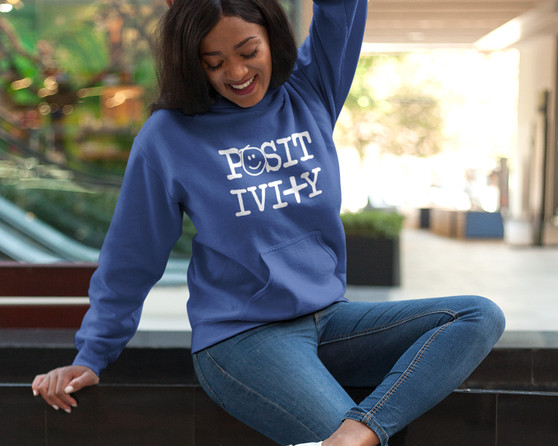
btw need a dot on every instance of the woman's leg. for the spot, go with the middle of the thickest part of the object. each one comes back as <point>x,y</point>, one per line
<point>271,379</point>
<point>414,352</point>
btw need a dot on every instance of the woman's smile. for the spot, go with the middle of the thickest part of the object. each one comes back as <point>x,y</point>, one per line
<point>244,88</point>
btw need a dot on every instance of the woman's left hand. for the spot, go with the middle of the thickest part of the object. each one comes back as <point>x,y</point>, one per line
<point>57,385</point>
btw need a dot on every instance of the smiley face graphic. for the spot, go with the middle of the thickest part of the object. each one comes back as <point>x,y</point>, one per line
<point>253,160</point>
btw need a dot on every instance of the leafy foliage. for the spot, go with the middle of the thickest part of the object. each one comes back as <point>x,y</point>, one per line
<point>373,224</point>
<point>84,42</point>
<point>406,121</point>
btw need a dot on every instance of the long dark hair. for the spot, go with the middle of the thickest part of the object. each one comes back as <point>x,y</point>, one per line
<point>183,84</point>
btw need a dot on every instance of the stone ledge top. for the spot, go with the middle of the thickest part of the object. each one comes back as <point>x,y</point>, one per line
<point>64,338</point>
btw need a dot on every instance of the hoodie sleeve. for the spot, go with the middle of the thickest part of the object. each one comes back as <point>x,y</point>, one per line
<point>145,226</point>
<point>329,56</point>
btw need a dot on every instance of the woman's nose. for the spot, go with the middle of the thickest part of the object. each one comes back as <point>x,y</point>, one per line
<point>236,70</point>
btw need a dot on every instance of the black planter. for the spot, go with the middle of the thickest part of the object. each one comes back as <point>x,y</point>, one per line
<point>373,261</point>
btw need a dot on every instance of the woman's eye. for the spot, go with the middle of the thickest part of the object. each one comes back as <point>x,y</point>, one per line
<point>251,55</point>
<point>214,67</point>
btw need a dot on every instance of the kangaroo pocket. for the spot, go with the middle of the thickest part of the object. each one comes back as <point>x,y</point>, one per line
<point>302,279</point>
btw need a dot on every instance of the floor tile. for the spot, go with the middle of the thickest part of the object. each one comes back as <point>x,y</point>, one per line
<point>20,365</point>
<point>152,366</point>
<point>462,419</point>
<point>545,369</point>
<point>521,280</point>
<point>503,369</point>
<point>134,415</point>
<point>22,417</point>
<point>527,420</point>
<point>215,427</point>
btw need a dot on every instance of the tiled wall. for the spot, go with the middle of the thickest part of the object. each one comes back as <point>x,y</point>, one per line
<point>183,415</point>
<point>150,396</point>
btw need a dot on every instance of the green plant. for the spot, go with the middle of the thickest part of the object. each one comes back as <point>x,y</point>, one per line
<point>373,224</point>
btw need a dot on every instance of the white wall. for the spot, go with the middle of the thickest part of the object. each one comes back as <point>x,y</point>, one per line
<point>537,72</point>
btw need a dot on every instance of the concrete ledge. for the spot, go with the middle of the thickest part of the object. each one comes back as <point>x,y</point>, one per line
<point>24,337</point>
<point>151,396</point>
<point>520,361</point>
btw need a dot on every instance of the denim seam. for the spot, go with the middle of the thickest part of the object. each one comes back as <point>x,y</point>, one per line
<point>249,389</point>
<point>317,324</point>
<point>208,388</point>
<point>411,367</point>
<point>388,326</point>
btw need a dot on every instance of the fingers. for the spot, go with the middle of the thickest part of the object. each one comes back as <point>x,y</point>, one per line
<point>36,383</point>
<point>87,378</point>
<point>56,386</point>
<point>48,387</point>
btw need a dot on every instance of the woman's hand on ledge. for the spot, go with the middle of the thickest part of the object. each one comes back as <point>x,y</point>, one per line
<point>57,385</point>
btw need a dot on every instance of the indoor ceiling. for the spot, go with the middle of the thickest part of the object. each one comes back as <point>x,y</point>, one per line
<point>437,23</point>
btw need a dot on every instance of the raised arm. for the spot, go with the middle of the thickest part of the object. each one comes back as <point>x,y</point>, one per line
<point>328,57</point>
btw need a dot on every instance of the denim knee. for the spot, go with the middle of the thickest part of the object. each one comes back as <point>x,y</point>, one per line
<point>490,318</point>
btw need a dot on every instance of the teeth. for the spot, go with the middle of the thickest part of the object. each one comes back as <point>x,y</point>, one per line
<point>244,85</point>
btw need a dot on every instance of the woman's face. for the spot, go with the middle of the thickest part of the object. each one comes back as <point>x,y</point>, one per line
<point>237,60</point>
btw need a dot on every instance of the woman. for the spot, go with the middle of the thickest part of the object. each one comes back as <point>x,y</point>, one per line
<point>241,140</point>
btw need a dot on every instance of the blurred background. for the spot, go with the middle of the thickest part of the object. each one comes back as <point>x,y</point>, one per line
<point>452,112</point>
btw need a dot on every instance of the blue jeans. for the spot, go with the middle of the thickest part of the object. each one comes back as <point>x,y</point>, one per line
<point>286,379</point>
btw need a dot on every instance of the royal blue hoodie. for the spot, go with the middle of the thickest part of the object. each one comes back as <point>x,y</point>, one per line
<point>262,187</point>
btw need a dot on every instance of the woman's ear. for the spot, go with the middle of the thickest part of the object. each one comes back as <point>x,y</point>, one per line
<point>169,2</point>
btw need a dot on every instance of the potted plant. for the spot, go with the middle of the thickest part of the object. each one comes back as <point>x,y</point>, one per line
<point>373,253</point>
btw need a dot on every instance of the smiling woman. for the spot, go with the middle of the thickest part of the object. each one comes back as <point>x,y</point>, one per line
<point>242,142</point>
<point>258,43</point>
<point>237,60</point>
